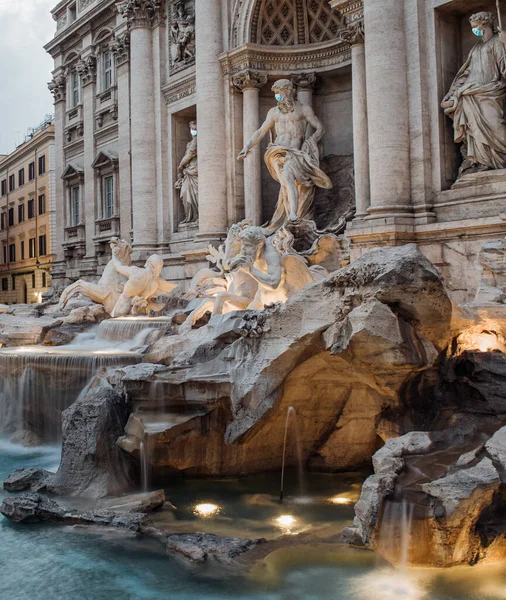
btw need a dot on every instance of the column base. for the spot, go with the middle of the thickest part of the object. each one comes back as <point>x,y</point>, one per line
<point>399,214</point>
<point>211,237</point>
<point>144,251</point>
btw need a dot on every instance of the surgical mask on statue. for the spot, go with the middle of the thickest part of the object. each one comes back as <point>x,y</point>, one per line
<point>279,97</point>
<point>477,31</point>
<point>193,132</point>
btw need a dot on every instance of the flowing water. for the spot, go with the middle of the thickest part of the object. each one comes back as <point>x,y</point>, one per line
<point>46,562</point>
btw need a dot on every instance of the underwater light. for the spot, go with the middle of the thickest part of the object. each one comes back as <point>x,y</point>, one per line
<point>286,522</point>
<point>206,510</point>
<point>340,500</point>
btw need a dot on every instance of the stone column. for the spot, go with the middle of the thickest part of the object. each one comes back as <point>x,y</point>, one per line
<point>305,84</point>
<point>250,83</point>
<point>141,15</point>
<point>212,153</point>
<point>120,46</point>
<point>387,108</point>
<point>354,35</point>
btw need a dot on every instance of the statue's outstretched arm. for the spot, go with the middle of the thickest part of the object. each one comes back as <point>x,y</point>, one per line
<point>120,267</point>
<point>259,135</point>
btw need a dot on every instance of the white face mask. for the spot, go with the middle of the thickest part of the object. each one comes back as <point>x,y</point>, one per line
<point>193,132</point>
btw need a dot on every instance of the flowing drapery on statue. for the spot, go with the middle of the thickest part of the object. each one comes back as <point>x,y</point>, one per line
<point>188,179</point>
<point>476,100</point>
<point>293,158</point>
<point>305,164</point>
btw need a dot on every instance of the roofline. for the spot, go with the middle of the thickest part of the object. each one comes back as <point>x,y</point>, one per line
<point>47,132</point>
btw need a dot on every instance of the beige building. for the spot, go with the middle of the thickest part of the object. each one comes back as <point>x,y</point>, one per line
<point>27,214</point>
<point>131,75</point>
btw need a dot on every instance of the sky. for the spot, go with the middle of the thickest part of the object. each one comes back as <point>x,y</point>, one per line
<point>25,68</point>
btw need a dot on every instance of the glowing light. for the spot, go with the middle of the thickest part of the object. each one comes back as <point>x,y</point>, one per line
<point>206,510</point>
<point>387,585</point>
<point>285,522</point>
<point>341,500</point>
<point>484,339</point>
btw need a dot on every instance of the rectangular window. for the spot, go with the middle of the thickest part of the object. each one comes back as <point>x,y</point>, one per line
<point>4,249</point>
<point>13,281</point>
<point>5,284</point>
<point>107,63</point>
<point>108,197</point>
<point>42,204</point>
<point>21,213</point>
<point>12,252</point>
<point>31,208</point>
<point>33,280</point>
<point>22,250</point>
<point>31,171</point>
<point>44,279</point>
<point>74,89</point>
<point>3,220</point>
<point>31,248</point>
<point>21,177</point>
<point>12,182</point>
<point>42,164</point>
<point>42,245</point>
<point>4,187</point>
<point>11,216</point>
<point>74,206</point>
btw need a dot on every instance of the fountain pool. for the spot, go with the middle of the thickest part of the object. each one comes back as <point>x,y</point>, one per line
<point>42,562</point>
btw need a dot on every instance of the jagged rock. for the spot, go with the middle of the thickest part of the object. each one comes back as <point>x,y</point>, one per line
<point>32,478</point>
<point>35,508</point>
<point>31,508</point>
<point>346,345</point>
<point>138,503</point>
<point>25,331</point>
<point>95,313</point>
<point>496,447</point>
<point>201,547</point>
<point>91,464</point>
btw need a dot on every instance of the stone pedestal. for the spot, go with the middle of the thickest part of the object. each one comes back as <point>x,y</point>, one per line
<point>213,218</point>
<point>387,107</point>
<point>250,83</point>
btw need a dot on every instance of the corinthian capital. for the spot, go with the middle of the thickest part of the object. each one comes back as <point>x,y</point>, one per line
<point>353,34</point>
<point>304,81</point>
<point>87,69</point>
<point>120,47</point>
<point>248,80</point>
<point>142,13</point>
<point>57,86</point>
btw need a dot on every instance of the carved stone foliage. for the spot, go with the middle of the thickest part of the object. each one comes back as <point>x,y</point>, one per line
<point>141,13</point>
<point>87,69</point>
<point>84,4</point>
<point>120,47</point>
<point>292,22</point>
<point>249,80</point>
<point>304,81</point>
<point>57,86</point>
<point>182,34</point>
<point>354,33</point>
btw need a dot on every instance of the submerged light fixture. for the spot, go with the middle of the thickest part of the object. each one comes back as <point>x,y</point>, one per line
<point>285,522</point>
<point>206,510</point>
<point>340,500</point>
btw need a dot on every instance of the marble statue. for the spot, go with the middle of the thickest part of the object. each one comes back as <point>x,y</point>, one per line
<point>142,286</point>
<point>254,273</point>
<point>110,286</point>
<point>188,180</point>
<point>293,156</point>
<point>182,34</point>
<point>476,100</point>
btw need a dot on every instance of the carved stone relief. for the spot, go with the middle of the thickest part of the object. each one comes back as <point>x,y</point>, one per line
<point>120,47</point>
<point>87,69</point>
<point>182,34</point>
<point>58,87</point>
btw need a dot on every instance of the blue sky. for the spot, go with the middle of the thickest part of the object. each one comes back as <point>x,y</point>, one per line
<point>25,68</point>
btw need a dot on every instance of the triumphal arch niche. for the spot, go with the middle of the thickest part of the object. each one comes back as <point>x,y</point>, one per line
<point>308,43</point>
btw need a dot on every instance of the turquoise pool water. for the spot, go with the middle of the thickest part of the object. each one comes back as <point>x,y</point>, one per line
<point>52,563</point>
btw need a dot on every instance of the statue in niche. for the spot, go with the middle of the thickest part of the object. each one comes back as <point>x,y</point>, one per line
<point>110,286</point>
<point>476,100</point>
<point>142,286</point>
<point>188,179</point>
<point>293,157</point>
<point>182,33</point>
<point>253,271</point>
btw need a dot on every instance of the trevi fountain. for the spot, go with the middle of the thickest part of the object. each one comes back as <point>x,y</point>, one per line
<point>297,419</point>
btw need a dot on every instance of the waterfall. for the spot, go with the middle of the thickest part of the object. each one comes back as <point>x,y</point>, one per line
<point>300,466</point>
<point>128,328</point>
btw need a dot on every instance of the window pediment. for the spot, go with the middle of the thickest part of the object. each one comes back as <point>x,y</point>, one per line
<point>73,171</point>
<point>105,159</point>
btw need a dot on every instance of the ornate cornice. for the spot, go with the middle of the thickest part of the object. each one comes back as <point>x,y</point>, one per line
<point>279,61</point>
<point>120,47</point>
<point>58,86</point>
<point>249,80</point>
<point>142,13</point>
<point>87,69</point>
<point>347,7</point>
<point>304,81</point>
<point>354,33</point>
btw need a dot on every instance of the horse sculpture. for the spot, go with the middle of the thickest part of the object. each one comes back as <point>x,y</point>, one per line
<point>110,286</point>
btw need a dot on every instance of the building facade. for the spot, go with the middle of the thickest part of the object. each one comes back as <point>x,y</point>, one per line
<point>27,218</point>
<point>131,75</point>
